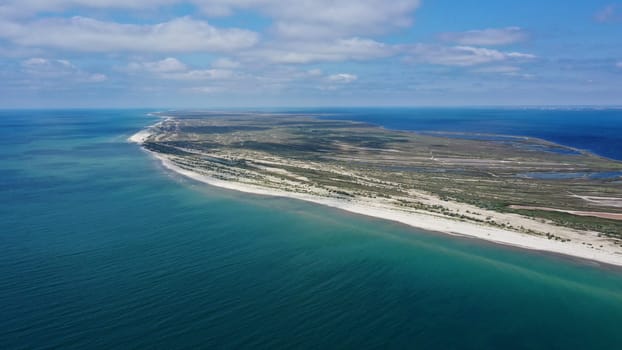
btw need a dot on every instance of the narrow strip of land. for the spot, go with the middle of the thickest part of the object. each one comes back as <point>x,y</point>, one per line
<point>469,187</point>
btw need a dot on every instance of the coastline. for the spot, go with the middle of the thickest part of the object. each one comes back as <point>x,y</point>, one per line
<point>576,248</point>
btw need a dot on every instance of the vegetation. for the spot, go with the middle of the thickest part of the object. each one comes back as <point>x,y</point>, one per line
<point>351,159</point>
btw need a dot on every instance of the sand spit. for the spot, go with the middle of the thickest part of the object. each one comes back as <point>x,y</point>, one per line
<point>579,244</point>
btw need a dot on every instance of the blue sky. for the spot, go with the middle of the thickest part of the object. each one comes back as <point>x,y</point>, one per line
<point>242,53</point>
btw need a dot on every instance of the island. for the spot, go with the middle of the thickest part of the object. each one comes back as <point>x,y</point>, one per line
<point>513,190</point>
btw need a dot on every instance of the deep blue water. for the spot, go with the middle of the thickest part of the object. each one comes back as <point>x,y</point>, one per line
<point>101,248</point>
<point>595,130</point>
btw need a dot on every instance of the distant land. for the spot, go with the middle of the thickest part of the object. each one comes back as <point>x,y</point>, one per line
<point>519,191</point>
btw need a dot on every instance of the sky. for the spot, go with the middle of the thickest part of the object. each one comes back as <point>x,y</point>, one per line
<point>270,53</point>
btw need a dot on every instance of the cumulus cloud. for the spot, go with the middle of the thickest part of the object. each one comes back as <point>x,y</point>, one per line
<point>302,31</point>
<point>42,68</point>
<point>166,65</point>
<point>462,55</point>
<point>324,51</point>
<point>486,37</point>
<point>295,36</point>
<point>91,35</point>
<point>320,18</point>
<point>202,74</point>
<point>205,89</point>
<point>172,68</point>
<point>300,18</point>
<point>510,71</point>
<point>21,8</point>
<point>342,78</point>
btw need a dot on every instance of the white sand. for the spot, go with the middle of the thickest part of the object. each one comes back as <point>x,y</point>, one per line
<point>142,135</point>
<point>583,245</point>
<point>139,137</point>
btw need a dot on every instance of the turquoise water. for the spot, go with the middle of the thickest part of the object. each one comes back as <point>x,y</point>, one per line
<point>102,248</point>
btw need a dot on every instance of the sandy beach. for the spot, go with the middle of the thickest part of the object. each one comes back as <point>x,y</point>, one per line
<point>583,245</point>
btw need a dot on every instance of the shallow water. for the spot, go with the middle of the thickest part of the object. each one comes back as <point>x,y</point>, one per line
<point>102,248</point>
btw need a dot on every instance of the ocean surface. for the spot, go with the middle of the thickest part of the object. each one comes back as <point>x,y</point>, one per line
<point>101,248</point>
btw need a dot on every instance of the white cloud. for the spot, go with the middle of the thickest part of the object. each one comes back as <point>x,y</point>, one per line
<point>300,18</point>
<point>324,51</point>
<point>486,37</point>
<point>201,74</point>
<point>97,77</point>
<point>172,68</point>
<point>11,51</point>
<point>526,56</point>
<point>342,78</point>
<point>302,31</point>
<point>462,55</point>
<point>43,68</point>
<point>91,35</point>
<point>321,18</point>
<point>30,7</point>
<point>205,89</point>
<point>166,65</point>
<point>510,71</point>
<point>39,62</point>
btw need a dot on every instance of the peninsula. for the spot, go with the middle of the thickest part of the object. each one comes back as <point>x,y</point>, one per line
<point>512,190</point>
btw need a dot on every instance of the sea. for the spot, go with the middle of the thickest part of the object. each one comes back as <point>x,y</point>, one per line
<point>103,248</point>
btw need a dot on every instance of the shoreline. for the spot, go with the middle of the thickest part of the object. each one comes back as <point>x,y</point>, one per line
<point>425,221</point>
